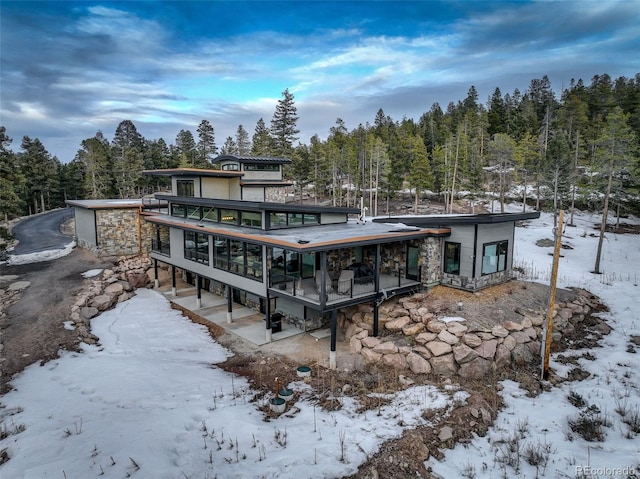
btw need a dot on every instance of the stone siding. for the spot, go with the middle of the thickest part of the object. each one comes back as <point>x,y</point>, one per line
<point>475,284</point>
<point>117,233</point>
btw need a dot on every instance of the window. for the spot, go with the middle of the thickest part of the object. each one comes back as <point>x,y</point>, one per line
<point>196,247</point>
<point>412,263</point>
<point>177,210</point>
<point>238,257</point>
<point>260,167</point>
<point>185,188</point>
<point>194,212</point>
<point>210,214</point>
<point>251,219</point>
<point>494,257</point>
<point>295,219</point>
<point>311,219</point>
<point>229,217</point>
<point>278,220</point>
<point>231,167</point>
<point>452,258</point>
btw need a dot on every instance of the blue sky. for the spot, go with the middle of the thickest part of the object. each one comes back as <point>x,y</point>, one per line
<point>72,68</point>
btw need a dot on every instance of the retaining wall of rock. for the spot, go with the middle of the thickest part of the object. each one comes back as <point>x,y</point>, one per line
<point>104,291</point>
<point>413,337</point>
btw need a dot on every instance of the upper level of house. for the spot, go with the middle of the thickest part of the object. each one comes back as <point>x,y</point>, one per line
<point>247,191</point>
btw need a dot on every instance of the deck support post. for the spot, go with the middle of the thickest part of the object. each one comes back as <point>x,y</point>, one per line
<point>198,292</point>
<point>229,305</point>
<point>174,290</point>
<point>156,281</point>
<point>334,331</point>
<point>376,301</point>
<point>267,319</point>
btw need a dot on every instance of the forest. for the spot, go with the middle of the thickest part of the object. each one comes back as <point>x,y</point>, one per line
<point>570,150</point>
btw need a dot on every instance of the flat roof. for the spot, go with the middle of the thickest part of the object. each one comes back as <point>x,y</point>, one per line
<point>306,238</point>
<point>457,219</point>
<point>274,160</point>
<point>257,205</point>
<point>192,172</point>
<point>105,204</point>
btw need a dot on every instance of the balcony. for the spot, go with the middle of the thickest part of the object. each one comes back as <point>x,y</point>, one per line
<point>347,291</point>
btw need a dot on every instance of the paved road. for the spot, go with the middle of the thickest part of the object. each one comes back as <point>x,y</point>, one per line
<point>42,232</point>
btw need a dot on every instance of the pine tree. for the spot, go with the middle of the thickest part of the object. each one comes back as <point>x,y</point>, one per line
<point>420,175</point>
<point>262,143</point>
<point>127,156</point>
<point>284,125</point>
<point>94,156</point>
<point>243,143</point>
<point>229,147</point>
<point>186,146</point>
<point>41,171</point>
<point>206,147</point>
<point>12,181</point>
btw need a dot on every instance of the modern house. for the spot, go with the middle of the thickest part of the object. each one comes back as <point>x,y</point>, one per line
<point>231,232</point>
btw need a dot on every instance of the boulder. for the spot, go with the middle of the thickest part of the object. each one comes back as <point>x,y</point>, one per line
<point>396,361</point>
<point>487,349</point>
<point>88,312</point>
<point>438,348</point>
<point>512,326</point>
<point>398,323</point>
<point>509,343</point>
<point>521,354</point>
<point>355,345</point>
<point>499,331</point>
<point>418,364</point>
<point>103,302</point>
<point>436,326</point>
<point>503,356</point>
<point>475,369</point>
<point>425,337</point>
<point>370,356</point>
<point>370,342</point>
<point>422,351</point>
<point>471,340</point>
<point>115,288</point>
<point>457,328</point>
<point>447,337</point>
<point>352,330</point>
<point>386,347</point>
<point>444,365</point>
<point>137,280</point>
<point>526,322</point>
<point>445,434</point>
<point>362,334</point>
<point>520,337</point>
<point>463,353</point>
<point>531,333</point>
<point>413,329</point>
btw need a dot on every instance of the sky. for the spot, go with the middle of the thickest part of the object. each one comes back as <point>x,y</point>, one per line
<point>148,401</point>
<point>71,68</point>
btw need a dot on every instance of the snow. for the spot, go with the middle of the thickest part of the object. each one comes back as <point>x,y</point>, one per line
<point>149,401</point>
<point>41,256</point>
<point>92,273</point>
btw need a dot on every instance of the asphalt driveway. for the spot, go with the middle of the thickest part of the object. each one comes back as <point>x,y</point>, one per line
<point>42,232</point>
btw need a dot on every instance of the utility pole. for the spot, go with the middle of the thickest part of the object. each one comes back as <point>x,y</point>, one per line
<point>548,329</point>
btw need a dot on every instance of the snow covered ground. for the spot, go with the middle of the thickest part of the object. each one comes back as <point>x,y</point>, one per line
<point>149,402</point>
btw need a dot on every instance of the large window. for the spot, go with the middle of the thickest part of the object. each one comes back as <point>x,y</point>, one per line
<point>185,188</point>
<point>283,220</point>
<point>412,263</point>
<point>260,167</point>
<point>231,167</point>
<point>494,257</point>
<point>452,258</point>
<point>238,257</point>
<point>196,247</point>
<point>177,210</point>
<point>229,217</point>
<point>251,219</point>
<point>194,212</point>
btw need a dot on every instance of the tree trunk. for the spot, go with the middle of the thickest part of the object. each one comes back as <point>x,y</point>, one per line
<point>603,225</point>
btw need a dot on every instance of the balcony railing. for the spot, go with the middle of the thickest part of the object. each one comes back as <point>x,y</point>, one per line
<point>198,256</point>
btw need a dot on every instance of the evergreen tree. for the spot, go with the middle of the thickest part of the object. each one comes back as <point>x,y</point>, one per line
<point>420,176</point>
<point>127,157</point>
<point>243,143</point>
<point>187,151</point>
<point>501,152</point>
<point>12,181</point>
<point>262,143</point>
<point>229,147</point>
<point>284,125</point>
<point>206,147</point>
<point>41,171</point>
<point>94,157</point>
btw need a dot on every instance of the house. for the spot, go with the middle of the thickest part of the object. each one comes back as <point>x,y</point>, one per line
<point>231,232</point>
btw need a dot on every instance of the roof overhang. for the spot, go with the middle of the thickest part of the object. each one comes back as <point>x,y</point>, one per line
<point>192,172</point>
<point>450,220</point>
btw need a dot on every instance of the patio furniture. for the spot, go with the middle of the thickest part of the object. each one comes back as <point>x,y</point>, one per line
<point>327,282</point>
<point>345,281</point>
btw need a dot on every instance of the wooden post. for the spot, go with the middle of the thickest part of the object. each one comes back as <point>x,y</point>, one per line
<point>552,297</point>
